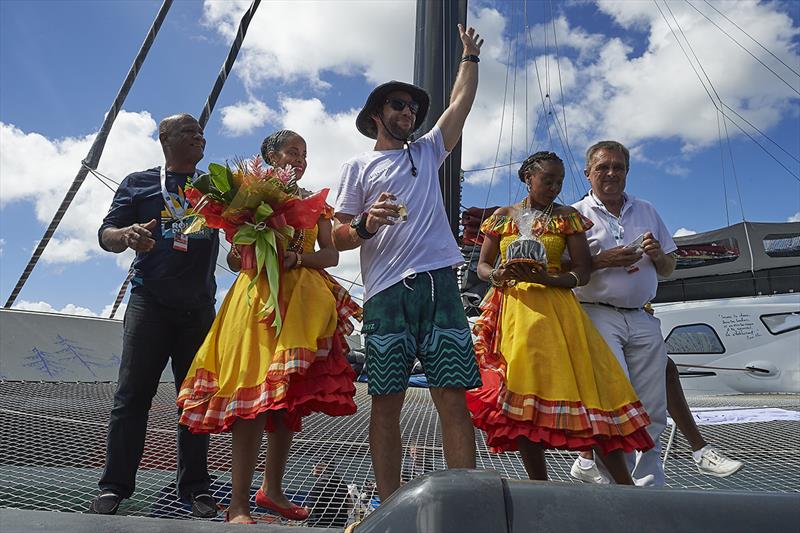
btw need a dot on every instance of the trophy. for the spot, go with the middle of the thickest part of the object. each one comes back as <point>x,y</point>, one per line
<point>527,248</point>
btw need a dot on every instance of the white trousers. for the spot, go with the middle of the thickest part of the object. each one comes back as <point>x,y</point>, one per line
<point>636,340</point>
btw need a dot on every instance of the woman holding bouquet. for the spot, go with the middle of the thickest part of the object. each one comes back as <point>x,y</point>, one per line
<point>549,379</point>
<point>249,375</point>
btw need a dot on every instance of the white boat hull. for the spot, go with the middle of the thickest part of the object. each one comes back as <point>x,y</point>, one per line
<point>756,359</point>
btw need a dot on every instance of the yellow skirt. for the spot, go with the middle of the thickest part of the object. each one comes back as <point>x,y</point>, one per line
<point>244,369</point>
<point>549,376</point>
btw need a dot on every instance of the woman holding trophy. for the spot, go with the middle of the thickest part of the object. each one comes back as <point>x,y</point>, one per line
<point>549,379</point>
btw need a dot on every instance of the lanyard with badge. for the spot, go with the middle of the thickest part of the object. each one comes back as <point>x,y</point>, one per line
<point>180,241</point>
<point>613,223</point>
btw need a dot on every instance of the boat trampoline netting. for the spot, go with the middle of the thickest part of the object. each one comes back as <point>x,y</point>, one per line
<point>52,450</point>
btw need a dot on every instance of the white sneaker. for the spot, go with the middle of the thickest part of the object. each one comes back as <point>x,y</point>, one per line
<point>713,463</point>
<point>646,481</point>
<point>588,475</point>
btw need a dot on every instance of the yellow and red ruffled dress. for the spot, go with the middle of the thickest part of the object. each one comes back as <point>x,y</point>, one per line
<point>548,375</point>
<point>244,369</point>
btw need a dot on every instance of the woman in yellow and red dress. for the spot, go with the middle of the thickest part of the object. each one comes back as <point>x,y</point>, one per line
<point>246,379</point>
<point>549,379</point>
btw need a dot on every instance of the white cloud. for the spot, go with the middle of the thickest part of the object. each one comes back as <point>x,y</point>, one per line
<point>69,309</point>
<point>794,218</point>
<point>660,86</point>
<point>2,246</point>
<point>332,139</point>
<point>614,91</point>
<point>244,117</point>
<point>44,179</point>
<point>683,232</point>
<point>541,35</point>
<point>292,41</point>
<point>118,315</point>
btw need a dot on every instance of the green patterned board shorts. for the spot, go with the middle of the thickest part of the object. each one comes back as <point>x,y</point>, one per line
<point>421,316</point>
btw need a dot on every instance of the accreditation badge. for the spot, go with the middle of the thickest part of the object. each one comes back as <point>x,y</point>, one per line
<point>180,242</point>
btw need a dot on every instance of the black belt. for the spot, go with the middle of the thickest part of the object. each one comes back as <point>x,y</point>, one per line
<point>613,306</point>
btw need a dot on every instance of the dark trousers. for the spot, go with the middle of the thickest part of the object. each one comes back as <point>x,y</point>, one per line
<point>152,335</point>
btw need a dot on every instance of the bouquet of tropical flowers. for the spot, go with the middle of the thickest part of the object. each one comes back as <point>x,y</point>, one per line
<point>260,208</point>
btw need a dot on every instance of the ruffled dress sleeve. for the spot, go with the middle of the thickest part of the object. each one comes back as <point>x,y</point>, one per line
<point>566,224</point>
<point>499,225</point>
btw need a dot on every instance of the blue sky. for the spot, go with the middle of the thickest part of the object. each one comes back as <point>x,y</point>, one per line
<point>309,66</point>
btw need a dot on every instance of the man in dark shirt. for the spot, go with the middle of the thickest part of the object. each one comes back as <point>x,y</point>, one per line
<point>169,312</point>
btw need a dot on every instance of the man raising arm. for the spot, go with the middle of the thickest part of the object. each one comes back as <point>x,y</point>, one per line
<point>412,305</point>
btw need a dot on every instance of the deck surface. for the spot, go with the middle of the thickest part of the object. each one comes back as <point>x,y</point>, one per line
<point>52,449</point>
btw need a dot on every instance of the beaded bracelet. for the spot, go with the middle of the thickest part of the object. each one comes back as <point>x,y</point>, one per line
<point>493,281</point>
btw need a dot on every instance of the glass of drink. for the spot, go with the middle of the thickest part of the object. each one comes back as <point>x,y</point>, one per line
<point>402,210</point>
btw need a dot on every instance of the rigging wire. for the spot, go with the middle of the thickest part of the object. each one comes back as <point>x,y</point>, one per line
<point>767,50</point>
<point>211,101</point>
<point>570,164</point>
<point>504,165</point>
<point>568,149</point>
<point>745,49</point>
<point>722,161</point>
<point>495,166</point>
<point>515,40</point>
<point>352,282</point>
<point>525,30</point>
<point>720,107</point>
<point>100,177</point>
<point>724,122</point>
<point>96,150</point>
<point>539,84</point>
<point>699,64</point>
<point>761,132</point>
<point>546,55</point>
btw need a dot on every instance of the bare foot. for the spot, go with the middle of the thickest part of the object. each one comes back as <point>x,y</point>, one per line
<point>236,516</point>
<point>241,519</point>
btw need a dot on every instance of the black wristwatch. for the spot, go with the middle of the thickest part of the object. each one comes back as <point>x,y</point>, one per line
<point>359,223</point>
<point>471,58</point>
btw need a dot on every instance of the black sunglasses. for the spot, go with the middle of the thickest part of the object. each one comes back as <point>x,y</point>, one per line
<point>398,104</point>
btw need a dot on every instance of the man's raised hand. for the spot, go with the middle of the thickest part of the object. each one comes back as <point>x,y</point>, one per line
<point>471,40</point>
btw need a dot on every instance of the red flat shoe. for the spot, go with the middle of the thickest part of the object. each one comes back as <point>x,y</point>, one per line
<point>295,512</point>
<point>227,519</point>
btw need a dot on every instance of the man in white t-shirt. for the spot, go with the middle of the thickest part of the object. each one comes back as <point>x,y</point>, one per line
<point>630,248</point>
<point>390,205</point>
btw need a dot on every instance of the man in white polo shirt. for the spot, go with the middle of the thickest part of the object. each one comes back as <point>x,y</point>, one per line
<point>630,248</point>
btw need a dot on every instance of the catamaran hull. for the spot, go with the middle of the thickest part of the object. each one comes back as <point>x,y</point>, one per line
<point>735,345</point>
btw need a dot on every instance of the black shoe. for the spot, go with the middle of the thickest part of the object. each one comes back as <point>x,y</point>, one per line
<point>107,502</point>
<point>203,505</point>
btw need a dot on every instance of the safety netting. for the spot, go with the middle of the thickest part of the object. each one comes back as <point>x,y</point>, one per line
<point>52,452</point>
